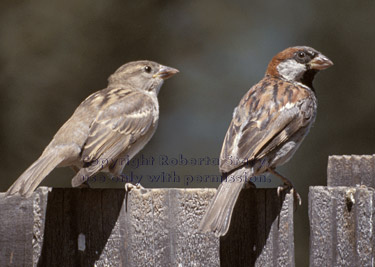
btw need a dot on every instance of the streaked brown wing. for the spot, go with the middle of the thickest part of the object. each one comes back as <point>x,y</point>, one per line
<point>262,123</point>
<point>119,124</point>
<point>302,115</point>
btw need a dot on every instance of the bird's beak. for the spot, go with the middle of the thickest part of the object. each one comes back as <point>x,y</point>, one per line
<point>166,72</point>
<point>320,62</point>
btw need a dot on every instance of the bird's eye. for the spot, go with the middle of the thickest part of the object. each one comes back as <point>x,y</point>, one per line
<point>301,54</point>
<point>147,69</point>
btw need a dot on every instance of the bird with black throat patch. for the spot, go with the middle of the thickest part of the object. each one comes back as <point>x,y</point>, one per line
<point>267,127</point>
<point>111,124</point>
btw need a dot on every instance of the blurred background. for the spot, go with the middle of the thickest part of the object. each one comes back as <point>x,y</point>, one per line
<point>54,54</point>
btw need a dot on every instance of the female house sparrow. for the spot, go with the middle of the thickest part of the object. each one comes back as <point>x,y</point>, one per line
<point>268,126</point>
<point>110,124</point>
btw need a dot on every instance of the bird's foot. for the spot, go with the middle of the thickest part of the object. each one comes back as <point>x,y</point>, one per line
<point>296,196</point>
<point>287,185</point>
<point>281,188</point>
<point>130,186</point>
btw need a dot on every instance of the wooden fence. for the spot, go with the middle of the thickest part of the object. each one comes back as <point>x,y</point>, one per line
<point>342,214</point>
<point>158,227</point>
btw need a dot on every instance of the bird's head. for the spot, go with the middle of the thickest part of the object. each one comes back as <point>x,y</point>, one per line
<point>142,75</point>
<point>298,64</point>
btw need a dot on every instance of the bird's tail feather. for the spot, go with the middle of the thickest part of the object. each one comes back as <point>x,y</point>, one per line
<point>34,175</point>
<point>219,213</point>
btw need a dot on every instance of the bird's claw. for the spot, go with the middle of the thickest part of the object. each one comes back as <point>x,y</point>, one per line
<point>281,188</point>
<point>130,186</point>
<point>296,196</point>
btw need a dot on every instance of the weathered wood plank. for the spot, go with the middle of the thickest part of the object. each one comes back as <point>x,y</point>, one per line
<point>87,227</point>
<point>16,231</point>
<point>161,229</point>
<point>341,226</point>
<point>351,170</point>
<point>261,232</point>
<point>153,227</point>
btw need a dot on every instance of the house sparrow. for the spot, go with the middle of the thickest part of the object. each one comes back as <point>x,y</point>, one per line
<point>110,124</point>
<point>268,126</point>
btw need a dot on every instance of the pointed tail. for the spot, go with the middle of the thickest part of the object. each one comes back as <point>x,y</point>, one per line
<point>219,213</point>
<point>34,175</point>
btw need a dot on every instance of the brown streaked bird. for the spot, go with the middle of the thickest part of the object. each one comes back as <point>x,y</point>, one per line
<point>268,126</point>
<point>111,124</point>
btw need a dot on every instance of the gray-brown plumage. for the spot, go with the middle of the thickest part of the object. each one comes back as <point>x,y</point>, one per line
<point>268,125</point>
<point>108,126</point>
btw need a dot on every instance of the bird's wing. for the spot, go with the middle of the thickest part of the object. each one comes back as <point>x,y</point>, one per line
<point>120,122</point>
<point>268,115</point>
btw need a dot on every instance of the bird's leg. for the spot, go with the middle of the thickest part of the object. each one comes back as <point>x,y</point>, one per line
<point>287,184</point>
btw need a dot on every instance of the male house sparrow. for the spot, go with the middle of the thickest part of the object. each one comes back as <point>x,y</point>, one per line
<point>110,124</point>
<point>268,126</point>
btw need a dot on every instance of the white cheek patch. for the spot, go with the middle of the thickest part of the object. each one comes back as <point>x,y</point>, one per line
<point>291,70</point>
